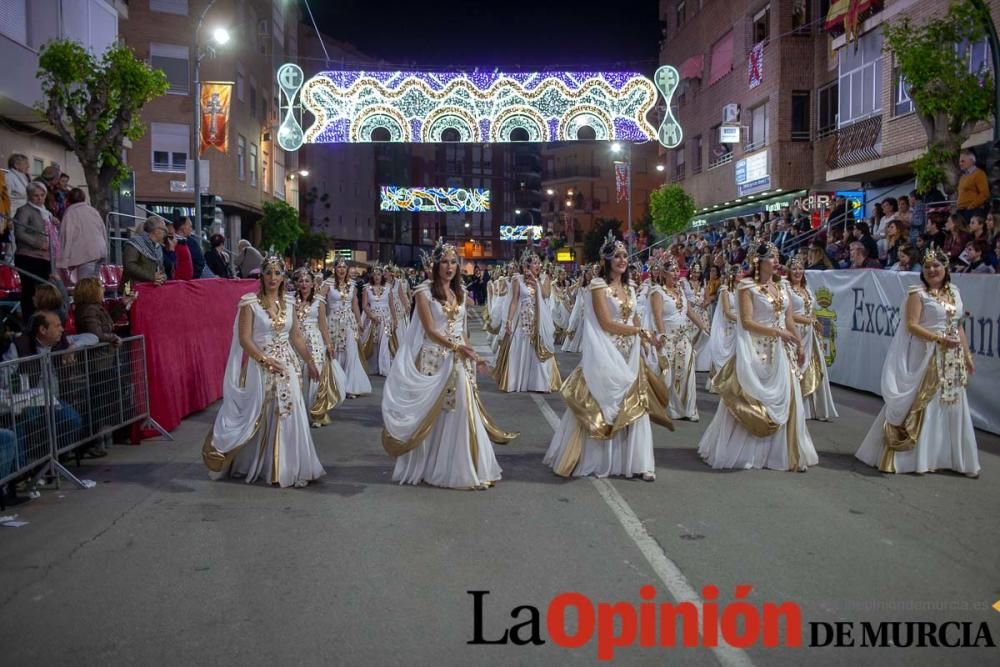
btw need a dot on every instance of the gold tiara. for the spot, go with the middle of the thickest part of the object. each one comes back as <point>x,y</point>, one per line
<point>272,261</point>
<point>611,246</point>
<point>934,254</point>
<point>441,248</point>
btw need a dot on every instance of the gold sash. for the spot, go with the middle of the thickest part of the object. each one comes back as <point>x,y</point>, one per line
<point>903,438</point>
<point>749,412</point>
<point>327,396</point>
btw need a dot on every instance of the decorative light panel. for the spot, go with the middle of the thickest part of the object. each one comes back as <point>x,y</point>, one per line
<point>520,232</point>
<point>477,107</point>
<point>442,200</point>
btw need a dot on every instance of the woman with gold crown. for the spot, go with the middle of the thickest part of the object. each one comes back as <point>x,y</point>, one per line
<point>696,291</point>
<point>574,337</point>
<point>815,381</point>
<point>262,429</point>
<point>526,359</point>
<point>500,289</point>
<point>612,394</point>
<point>399,305</point>
<point>669,317</point>
<point>925,424</point>
<point>345,323</point>
<point>722,343</point>
<point>760,421</point>
<point>376,324</point>
<point>310,313</point>
<point>434,421</point>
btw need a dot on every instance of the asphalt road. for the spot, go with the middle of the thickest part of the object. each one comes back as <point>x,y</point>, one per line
<point>159,566</point>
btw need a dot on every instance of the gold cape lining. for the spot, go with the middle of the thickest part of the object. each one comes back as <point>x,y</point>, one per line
<point>749,412</point>
<point>327,397</point>
<point>903,438</point>
<point>647,395</point>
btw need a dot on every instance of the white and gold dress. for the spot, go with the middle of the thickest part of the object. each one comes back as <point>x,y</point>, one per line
<point>675,359</point>
<point>326,394</point>
<point>345,338</point>
<point>817,398</point>
<point>526,358</point>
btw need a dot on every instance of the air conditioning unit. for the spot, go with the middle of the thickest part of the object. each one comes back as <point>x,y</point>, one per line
<point>731,113</point>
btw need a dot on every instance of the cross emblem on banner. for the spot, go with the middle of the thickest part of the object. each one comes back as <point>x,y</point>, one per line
<point>214,109</point>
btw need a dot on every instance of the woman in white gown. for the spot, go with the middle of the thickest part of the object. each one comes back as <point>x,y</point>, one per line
<point>310,312</point>
<point>399,305</point>
<point>526,359</point>
<point>925,424</point>
<point>262,429</point>
<point>670,317</point>
<point>345,322</point>
<point>574,338</point>
<point>376,325</point>
<point>499,306</point>
<point>759,422</point>
<point>722,343</point>
<point>815,381</point>
<point>612,394</point>
<point>696,292</point>
<point>434,420</point>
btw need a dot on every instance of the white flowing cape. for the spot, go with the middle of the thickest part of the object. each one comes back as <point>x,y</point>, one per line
<point>408,395</point>
<point>608,379</point>
<point>720,346</point>
<point>769,384</point>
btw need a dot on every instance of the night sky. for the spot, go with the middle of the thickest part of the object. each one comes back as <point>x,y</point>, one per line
<point>552,34</point>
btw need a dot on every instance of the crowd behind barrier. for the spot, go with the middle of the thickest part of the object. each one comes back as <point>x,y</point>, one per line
<point>56,402</point>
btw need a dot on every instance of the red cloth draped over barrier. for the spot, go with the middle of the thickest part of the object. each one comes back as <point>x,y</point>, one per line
<point>188,327</point>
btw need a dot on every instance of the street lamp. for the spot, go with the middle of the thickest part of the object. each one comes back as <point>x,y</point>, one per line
<point>517,211</point>
<point>550,192</point>
<point>303,173</point>
<point>660,167</point>
<point>220,37</point>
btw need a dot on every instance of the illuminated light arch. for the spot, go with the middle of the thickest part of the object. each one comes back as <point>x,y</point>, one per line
<point>347,106</point>
<point>519,118</point>
<point>452,118</point>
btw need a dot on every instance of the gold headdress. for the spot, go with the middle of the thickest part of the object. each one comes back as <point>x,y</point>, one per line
<point>796,263</point>
<point>340,261</point>
<point>527,255</point>
<point>272,261</point>
<point>934,254</point>
<point>426,260</point>
<point>441,248</point>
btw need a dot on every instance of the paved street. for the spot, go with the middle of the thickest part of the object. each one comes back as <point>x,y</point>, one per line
<point>159,566</point>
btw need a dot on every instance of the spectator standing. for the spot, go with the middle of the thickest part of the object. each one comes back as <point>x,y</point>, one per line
<point>185,236</point>
<point>217,258</point>
<point>32,240</point>
<point>83,238</point>
<point>184,264</point>
<point>142,254</point>
<point>973,187</point>
<point>17,181</point>
<point>918,215</point>
<point>248,259</point>
<point>55,199</point>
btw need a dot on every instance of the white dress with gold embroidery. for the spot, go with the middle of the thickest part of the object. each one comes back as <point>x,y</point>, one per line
<point>606,427</point>
<point>759,422</point>
<point>434,421</point>
<point>722,340</point>
<point>262,429</point>
<point>676,357</point>
<point>925,424</point>
<point>345,338</point>
<point>696,302</point>
<point>815,380</point>
<point>376,337</point>
<point>574,326</point>
<point>533,337</point>
<point>328,392</point>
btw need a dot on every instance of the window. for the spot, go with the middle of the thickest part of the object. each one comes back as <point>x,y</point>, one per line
<point>758,128</point>
<point>860,71</point>
<point>14,20</point>
<point>826,111</point>
<point>253,165</point>
<point>169,6</point>
<point>241,157</point>
<point>170,142</point>
<point>679,11</point>
<point>720,153</point>
<point>977,54</point>
<point>264,172</point>
<point>279,180</point>
<point>800,115</point>
<point>800,15</point>
<point>696,155</point>
<point>722,58</point>
<point>37,166</point>
<point>760,27</point>
<point>901,102</point>
<point>173,60</point>
<point>678,164</point>
<point>240,84</point>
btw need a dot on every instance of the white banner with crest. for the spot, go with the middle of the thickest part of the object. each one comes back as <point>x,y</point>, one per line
<point>861,309</point>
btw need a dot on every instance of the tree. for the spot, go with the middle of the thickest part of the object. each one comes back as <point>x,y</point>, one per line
<point>312,245</point>
<point>280,226</point>
<point>671,209</point>
<point>949,99</point>
<point>94,103</point>
<point>593,239</point>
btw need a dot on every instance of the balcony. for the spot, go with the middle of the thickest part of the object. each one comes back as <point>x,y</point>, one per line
<point>856,143</point>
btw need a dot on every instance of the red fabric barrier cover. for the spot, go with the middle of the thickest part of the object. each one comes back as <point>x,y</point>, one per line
<point>188,327</point>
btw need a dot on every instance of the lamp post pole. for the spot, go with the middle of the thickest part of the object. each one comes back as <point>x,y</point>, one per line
<point>628,194</point>
<point>199,55</point>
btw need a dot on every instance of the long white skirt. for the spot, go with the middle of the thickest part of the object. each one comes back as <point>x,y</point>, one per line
<point>947,441</point>
<point>703,356</point>
<point>445,457</point>
<point>726,444</point>
<point>629,452</point>
<point>524,370</point>
<point>282,450</point>
<point>819,405</point>
<point>356,380</point>
<point>574,343</point>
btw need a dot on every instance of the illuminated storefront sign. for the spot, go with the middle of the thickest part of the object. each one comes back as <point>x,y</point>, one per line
<point>441,200</point>
<point>476,107</point>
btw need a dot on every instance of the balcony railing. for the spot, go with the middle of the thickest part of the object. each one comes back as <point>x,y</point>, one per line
<point>856,143</point>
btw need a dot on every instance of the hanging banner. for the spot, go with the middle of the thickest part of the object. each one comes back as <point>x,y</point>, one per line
<point>755,66</point>
<point>621,180</point>
<point>215,98</point>
<point>860,311</point>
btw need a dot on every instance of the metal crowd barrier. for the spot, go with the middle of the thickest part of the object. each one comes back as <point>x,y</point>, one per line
<point>52,403</point>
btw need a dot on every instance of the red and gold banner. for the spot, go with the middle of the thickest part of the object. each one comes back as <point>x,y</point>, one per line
<point>215,99</point>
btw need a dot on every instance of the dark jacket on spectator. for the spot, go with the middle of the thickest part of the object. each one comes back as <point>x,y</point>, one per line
<point>29,232</point>
<point>197,256</point>
<point>137,267</point>
<point>217,263</point>
<point>92,318</point>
